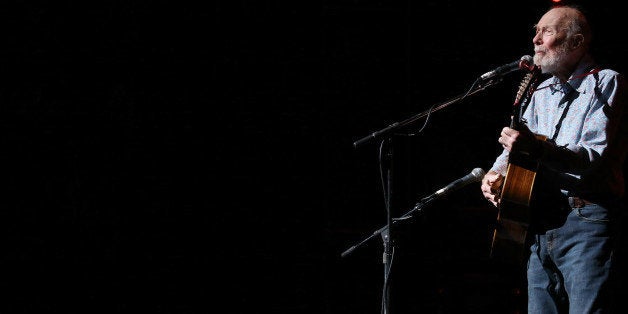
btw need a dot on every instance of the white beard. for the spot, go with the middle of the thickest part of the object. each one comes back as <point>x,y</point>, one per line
<point>552,62</point>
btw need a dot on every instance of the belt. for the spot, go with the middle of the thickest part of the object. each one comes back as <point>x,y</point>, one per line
<point>577,202</point>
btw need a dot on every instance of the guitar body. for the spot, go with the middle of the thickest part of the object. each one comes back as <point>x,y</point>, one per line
<point>513,218</point>
<point>510,237</point>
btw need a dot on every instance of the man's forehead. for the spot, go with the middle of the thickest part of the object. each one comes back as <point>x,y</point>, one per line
<point>551,26</point>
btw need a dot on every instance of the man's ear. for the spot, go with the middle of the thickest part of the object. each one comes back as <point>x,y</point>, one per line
<point>577,41</point>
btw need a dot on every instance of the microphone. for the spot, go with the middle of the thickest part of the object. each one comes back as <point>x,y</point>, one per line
<point>524,62</point>
<point>476,175</point>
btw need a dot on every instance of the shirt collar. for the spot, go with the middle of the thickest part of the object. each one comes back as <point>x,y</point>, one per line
<point>585,65</point>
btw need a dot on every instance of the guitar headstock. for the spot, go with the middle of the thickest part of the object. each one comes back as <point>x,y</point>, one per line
<point>526,85</point>
<point>526,88</point>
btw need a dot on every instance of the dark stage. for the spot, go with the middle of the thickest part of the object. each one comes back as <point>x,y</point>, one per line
<point>172,157</point>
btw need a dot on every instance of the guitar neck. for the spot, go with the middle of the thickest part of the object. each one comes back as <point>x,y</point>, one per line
<point>524,94</point>
<point>514,121</point>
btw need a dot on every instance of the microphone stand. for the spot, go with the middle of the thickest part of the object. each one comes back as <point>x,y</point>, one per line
<point>394,221</point>
<point>387,235</point>
<point>397,125</point>
<point>387,231</point>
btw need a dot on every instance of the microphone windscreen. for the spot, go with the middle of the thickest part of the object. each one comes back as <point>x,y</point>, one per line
<point>478,173</point>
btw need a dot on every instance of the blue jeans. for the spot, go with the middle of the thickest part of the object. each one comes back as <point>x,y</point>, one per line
<point>569,269</point>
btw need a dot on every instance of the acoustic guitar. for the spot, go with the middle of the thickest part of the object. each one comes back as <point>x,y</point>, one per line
<point>513,219</point>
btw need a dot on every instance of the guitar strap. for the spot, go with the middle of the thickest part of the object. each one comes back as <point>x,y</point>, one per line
<point>567,99</point>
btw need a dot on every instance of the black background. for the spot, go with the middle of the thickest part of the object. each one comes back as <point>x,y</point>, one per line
<point>172,157</point>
